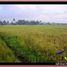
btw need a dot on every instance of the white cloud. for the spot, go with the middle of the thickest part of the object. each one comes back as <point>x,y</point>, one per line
<point>49,9</point>
<point>25,7</point>
<point>1,7</point>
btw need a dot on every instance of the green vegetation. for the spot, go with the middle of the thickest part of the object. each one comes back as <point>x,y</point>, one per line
<point>32,43</point>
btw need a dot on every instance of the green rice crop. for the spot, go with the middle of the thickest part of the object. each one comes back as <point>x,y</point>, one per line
<point>33,43</point>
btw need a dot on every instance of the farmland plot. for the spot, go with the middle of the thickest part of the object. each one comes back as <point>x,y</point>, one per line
<point>33,43</point>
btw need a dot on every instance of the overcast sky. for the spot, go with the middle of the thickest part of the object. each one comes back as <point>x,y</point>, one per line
<point>46,12</point>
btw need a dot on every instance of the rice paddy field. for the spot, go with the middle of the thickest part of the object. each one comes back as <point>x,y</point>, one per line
<point>33,43</point>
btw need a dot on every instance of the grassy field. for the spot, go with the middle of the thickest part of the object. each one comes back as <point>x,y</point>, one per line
<point>33,43</point>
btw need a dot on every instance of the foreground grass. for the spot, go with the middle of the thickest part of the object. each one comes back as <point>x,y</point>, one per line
<point>33,43</point>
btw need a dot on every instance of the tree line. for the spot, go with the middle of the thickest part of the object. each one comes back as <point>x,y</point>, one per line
<point>27,22</point>
<point>20,22</point>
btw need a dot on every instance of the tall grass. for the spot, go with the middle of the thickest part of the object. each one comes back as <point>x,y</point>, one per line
<point>33,44</point>
<point>6,55</point>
